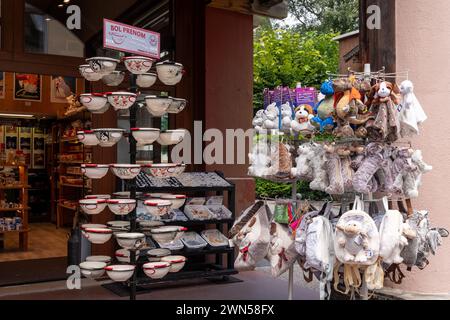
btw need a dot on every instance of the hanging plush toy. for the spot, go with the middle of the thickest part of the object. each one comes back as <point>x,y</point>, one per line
<point>320,178</point>
<point>413,180</point>
<point>259,160</point>
<point>272,117</point>
<point>373,161</point>
<point>325,109</point>
<point>304,160</point>
<point>286,117</point>
<point>258,121</point>
<point>411,111</point>
<point>402,168</point>
<point>301,124</point>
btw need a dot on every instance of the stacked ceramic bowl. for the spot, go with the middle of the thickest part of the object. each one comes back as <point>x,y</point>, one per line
<point>158,106</point>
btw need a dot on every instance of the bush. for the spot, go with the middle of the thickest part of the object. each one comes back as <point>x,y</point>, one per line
<point>268,189</point>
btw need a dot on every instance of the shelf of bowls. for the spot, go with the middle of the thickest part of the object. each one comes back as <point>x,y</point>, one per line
<point>160,261</point>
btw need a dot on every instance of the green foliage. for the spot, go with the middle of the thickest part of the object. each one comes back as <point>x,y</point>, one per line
<point>268,189</point>
<point>285,57</point>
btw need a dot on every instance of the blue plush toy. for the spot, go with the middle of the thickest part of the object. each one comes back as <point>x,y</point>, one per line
<point>325,108</point>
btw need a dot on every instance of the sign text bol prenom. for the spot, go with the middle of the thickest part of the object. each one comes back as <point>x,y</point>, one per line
<point>122,37</point>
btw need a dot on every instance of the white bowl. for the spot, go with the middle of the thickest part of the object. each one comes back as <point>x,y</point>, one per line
<point>170,73</point>
<point>94,171</point>
<point>118,225</point>
<point>176,262</point>
<point>156,270</point>
<point>104,259</point>
<point>146,80</point>
<point>155,255</point>
<point>88,138</point>
<point>131,241</point>
<point>171,137</point>
<point>177,200</point>
<point>155,195</point>
<point>126,194</point>
<point>93,206</point>
<point>177,105</point>
<point>157,106</point>
<point>123,255</point>
<point>121,207</point>
<point>89,74</point>
<point>102,110</point>
<point>113,79</point>
<point>138,64</point>
<point>120,273</point>
<point>126,171</point>
<point>145,136</point>
<point>166,234</point>
<point>98,196</point>
<point>157,207</point>
<point>98,235</point>
<point>108,137</point>
<point>121,100</point>
<point>93,226</point>
<point>92,270</point>
<point>103,65</point>
<point>162,170</point>
<point>93,101</point>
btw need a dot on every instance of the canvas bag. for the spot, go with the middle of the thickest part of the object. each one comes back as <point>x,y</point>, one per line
<point>281,253</point>
<point>251,235</point>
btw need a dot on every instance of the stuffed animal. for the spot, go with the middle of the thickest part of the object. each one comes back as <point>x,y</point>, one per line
<point>281,253</point>
<point>350,108</point>
<point>320,178</point>
<point>259,160</point>
<point>412,114</point>
<point>372,162</point>
<point>281,161</point>
<point>304,168</point>
<point>413,180</point>
<point>258,121</point>
<point>334,171</point>
<point>354,240</point>
<point>301,124</point>
<point>286,117</point>
<point>402,168</point>
<point>272,117</point>
<point>325,109</point>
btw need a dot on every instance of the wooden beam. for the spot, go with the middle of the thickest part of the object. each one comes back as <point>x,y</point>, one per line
<point>276,9</point>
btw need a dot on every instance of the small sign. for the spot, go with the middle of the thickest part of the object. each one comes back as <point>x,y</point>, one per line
<point>122,37</point>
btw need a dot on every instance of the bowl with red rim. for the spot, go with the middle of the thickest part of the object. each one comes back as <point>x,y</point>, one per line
<point>177,105</point>
<point>177,200</point>
<point>157,105</point>
<point>93,226</point>
<point>170,73</point>
<point>93,101</point>
<point>104,259</point>
<point>93,206</point>
<point>103,65</point>
<point>156,270</point>
<point>98,235</point>
<point>138,64</point>
<point>113,79</point>
<point>126,171</point>
<point>145,136</point>
<point>123,255</point>
<point>89,74</point>
<point>158,208</point>
<point>98,196</point>
<point>121,207</point>
<point>121,100</point>
<point>92,270</point>
<point>176,262</point>
<point>171,137</point>
<point>108,137</point>
<point>131,240</point>
<point>120,273</point>
<point>94,171</point>
<point>166,234</point>
<point>161,170</point>
<point>88,138</point>
<point>146,80</point>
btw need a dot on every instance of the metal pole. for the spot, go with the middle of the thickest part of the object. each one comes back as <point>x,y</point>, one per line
<point>291,269</point>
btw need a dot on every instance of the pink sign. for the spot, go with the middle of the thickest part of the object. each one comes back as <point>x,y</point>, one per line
<point>122,37</point>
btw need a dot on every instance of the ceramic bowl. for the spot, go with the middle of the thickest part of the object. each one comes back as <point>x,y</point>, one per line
<point>157,105</point>
<point>167,234</point>
<point>123,255</point>
<point>98,196</point>
<point>103,65</point>
<point>171,137</point>
<point>158,208</point>
<point>89,74</point>
<point>170,73</point>
<point>93,101</point>
<point>104,259</point>
<point>102,110</point>
<point>163,170</point>
<point>108,137</point>
<point>92,270</point>
<point>94,171</point>
<point>88,138</point>
<point>113,79</point>
<point>93,206</point>
<point>93,226</point>
<point>121,207</point>
<point>119,226</point>
<point>120,273</point>
<point>121,100</point>
<point>145,136</point>
<point>155,195</point>
<point>177,200</point>
<point>176,262</point>
<point>156,270</point>
<point>98,235</point>
<point>131,241</point>
<point>177,105</point>
<point>126,195</point>
<point>146,80</point>
<point>126,171</point>
<point>155,255</point>
<point>138,64</point>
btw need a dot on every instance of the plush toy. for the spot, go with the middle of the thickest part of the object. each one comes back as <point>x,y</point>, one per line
<point>304,168</point>
<point>281,161</point>
<point>301,124</point>
<point>286,117</point>
<point>384,174</point>
<point>372,162</point>
<point>320,178</point>
<point>334,171</point>
<point>353,234</point>
<point>258,121</point>
<point>272,117</point>
<point>259,160</point>
<point>413,180</point>
<point>281,253</point>
<point>325,109</point>
<point>350,108</point>
<point>412,114</point>
<point>401,169</point>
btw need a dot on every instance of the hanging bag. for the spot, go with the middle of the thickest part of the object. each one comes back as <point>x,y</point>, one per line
<point>281,253</point>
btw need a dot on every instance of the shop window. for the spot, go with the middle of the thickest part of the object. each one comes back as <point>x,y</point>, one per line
<point>45,34</point>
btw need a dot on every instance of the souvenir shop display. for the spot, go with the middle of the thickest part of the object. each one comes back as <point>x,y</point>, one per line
<point>351,145</point>
<point>151,228</point>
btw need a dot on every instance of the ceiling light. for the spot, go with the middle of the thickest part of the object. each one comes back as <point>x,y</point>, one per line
<point>66,1</point>
<point>60,5</point>
<point>15,115</point>
<point>48,19</point>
